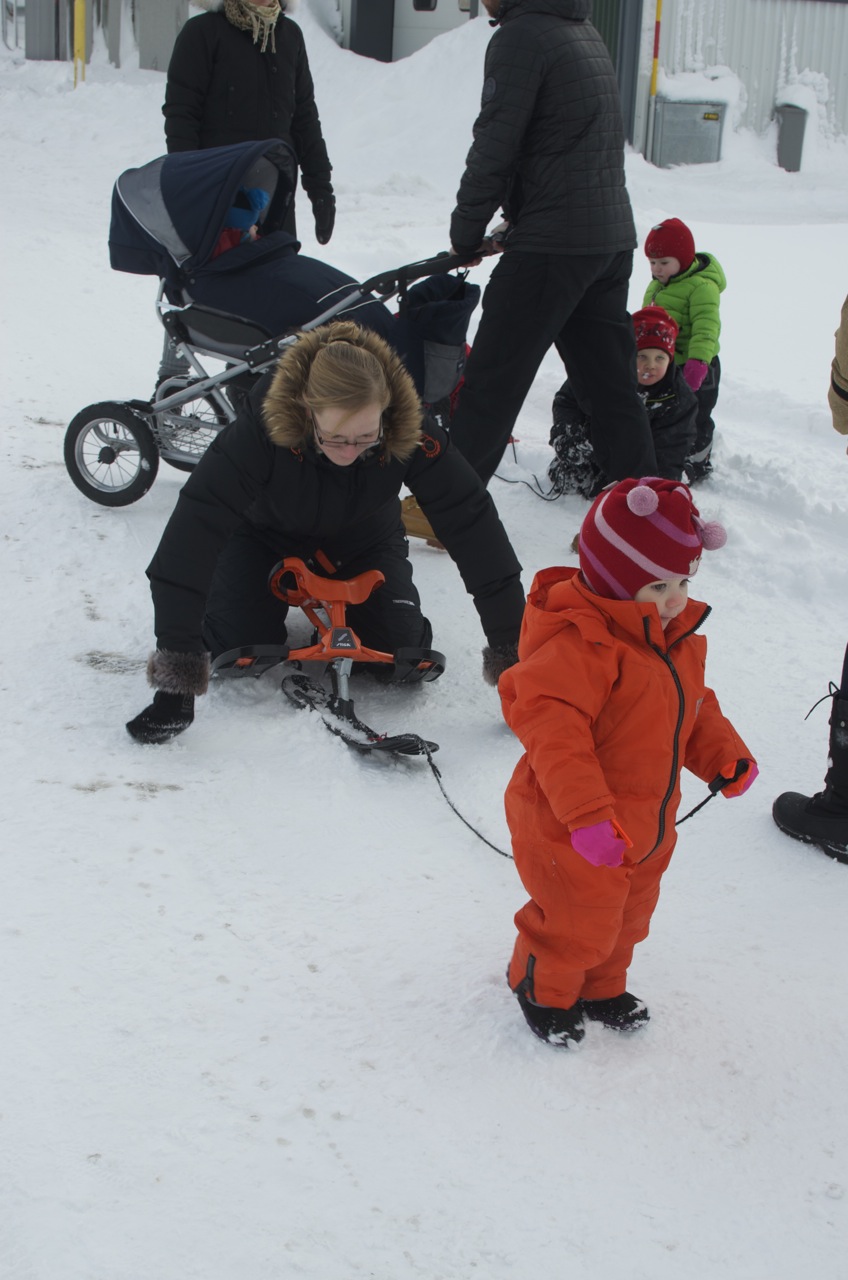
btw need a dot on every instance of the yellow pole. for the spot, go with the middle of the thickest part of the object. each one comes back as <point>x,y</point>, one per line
<point>656,61</point>
<point>79,41</point>
<point>652,97</point>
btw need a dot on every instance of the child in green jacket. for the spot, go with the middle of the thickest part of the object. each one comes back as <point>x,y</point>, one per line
<point>688,285</point>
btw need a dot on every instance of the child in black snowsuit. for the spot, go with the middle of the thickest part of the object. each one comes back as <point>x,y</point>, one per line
<point>670,403</point>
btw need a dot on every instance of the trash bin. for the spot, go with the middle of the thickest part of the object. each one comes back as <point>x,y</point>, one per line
<point>687,133</point>
<point>791,123</point>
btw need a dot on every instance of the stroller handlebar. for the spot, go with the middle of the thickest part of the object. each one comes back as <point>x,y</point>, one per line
<point>389,282</point>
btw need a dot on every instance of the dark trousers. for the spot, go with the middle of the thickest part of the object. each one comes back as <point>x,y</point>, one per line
<point>242,610</point>
<point>706,395</point>
<point>579,304</point>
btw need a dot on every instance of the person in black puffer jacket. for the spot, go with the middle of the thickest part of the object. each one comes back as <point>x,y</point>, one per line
<point>239,73</point>
<point>670,403</point>
<point>549,151</point>
<point>312,467</point>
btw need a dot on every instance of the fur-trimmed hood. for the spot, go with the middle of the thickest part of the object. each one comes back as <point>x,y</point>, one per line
<point>283,410</point>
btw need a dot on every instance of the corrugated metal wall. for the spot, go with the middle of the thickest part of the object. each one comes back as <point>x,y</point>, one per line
<point>767,43</point>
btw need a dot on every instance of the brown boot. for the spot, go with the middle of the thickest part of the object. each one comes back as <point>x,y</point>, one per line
<point>416,523</point>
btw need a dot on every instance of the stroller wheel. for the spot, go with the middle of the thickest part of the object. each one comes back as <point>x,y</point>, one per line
<point>186,431</point>
<point>110,454</point>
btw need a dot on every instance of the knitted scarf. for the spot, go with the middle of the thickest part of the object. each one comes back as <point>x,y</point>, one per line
<point>258,19</point>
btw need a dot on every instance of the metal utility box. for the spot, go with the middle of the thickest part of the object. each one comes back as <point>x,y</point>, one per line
<point>49,30</point>
<point>687,133</point>
<point>157,25</point>
<point>791,123</point>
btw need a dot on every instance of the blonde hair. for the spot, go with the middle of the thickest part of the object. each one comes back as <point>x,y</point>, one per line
<point>345,376</point>
<point>340,365</point>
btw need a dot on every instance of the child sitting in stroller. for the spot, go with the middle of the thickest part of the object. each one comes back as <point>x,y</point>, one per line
<point>210,225</point>
<point>234,287</point>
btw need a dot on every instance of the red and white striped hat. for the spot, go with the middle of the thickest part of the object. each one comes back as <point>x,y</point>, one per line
<point>641,531</point>
<point>655,328</point>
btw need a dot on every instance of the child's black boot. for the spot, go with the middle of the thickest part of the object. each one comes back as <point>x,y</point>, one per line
<point>555,1026</point>
<point>622,1013</point>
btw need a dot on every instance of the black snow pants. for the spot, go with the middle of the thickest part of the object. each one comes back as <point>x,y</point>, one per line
<point>242,610</point>
<point>579,304</point>
<point>707,396</point>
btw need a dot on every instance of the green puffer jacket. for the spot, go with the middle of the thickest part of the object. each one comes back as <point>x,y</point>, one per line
<point>692,299</point>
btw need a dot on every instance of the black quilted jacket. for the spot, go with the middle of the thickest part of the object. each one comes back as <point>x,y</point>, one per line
<point>549,140</point>
<point>221,89</point>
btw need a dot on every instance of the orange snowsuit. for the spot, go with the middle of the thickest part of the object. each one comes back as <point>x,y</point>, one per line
<point>609,708</point>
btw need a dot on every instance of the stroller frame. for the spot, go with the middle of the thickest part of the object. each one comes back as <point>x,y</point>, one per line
<point>112,449</point>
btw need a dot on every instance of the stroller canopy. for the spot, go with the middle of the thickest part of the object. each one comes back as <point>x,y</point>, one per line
<point>168,214</point>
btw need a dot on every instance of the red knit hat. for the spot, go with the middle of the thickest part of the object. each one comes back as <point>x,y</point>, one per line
<point>671,239</point>
<point>641,531</point>
<point>654,327</point>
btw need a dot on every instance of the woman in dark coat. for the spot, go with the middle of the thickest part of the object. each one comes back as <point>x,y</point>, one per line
<point>239,73</point>
<point>313,468</point>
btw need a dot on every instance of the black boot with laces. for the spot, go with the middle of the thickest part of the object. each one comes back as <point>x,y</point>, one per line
<point>822,819</point>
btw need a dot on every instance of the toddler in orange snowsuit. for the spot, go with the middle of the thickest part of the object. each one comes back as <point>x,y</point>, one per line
<point>609,700</point>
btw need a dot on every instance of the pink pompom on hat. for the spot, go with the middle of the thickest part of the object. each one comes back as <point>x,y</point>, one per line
<point>641,531</point>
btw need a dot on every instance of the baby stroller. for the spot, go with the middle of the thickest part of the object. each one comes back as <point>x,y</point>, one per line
<point>240,307</point>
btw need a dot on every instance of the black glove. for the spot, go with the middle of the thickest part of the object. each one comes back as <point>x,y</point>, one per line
<point>324,209</point>
<point>497,658</point>
<point>167,715</point>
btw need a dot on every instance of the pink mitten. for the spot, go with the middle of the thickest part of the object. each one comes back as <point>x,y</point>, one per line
<point>694,371</point>
<point>739,778</point>
<point>602,844</point>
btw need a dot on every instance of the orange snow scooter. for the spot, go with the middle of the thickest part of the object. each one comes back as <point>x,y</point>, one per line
<point>336,647</point>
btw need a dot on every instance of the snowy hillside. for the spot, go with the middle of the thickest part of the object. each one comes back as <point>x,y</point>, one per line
<point>255,1024</point>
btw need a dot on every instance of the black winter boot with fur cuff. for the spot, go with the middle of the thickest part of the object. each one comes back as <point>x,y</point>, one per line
<point>186,673</point>
<point>496,660</point>
<point>167,715</point>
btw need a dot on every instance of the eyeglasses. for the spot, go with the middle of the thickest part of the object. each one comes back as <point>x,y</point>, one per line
<point>361,442</point>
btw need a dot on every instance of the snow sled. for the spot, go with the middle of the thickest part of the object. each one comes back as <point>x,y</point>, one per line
<point>240,305</point>
<point>336,648</point>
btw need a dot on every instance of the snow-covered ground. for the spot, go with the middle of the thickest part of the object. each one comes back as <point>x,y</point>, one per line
<point>254,1018</point>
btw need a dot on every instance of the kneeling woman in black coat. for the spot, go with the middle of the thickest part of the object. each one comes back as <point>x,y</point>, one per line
<point>313,467</point>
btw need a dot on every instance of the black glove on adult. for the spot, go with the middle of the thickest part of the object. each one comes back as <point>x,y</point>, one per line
<point>324,209</point>
<point>497,658</point>
<point>167,715</point>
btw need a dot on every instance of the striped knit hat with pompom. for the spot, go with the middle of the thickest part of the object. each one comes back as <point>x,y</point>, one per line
<point>641,531</point>
<point>655,328</point>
